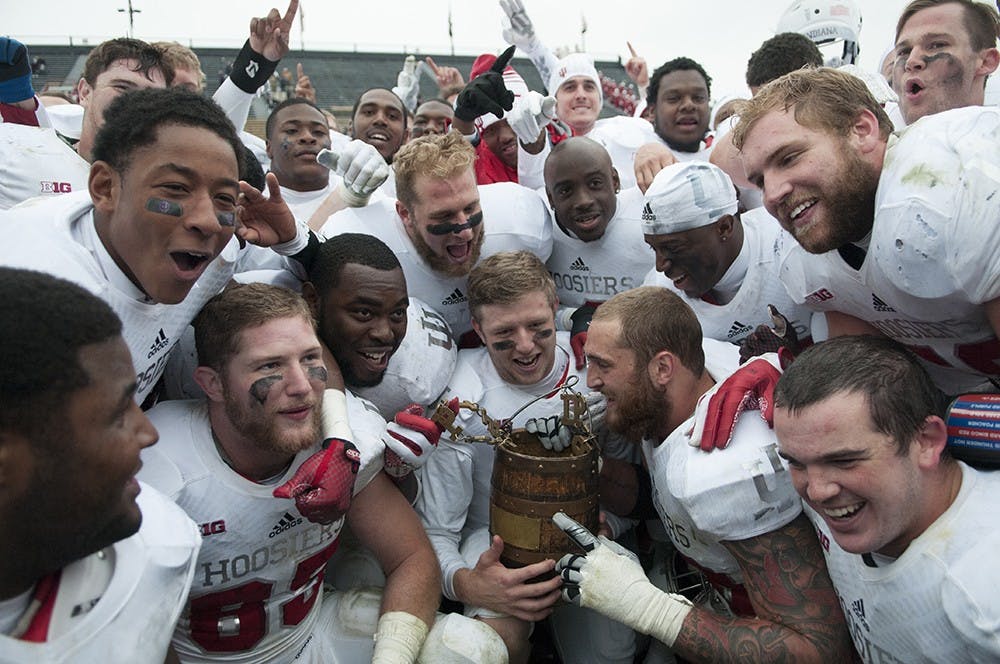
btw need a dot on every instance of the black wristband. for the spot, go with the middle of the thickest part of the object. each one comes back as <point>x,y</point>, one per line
<point>307,256</point>
<point>251,69</point>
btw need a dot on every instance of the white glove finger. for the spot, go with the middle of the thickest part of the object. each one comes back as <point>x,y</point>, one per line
<point>549,107</point>
<point>362,180</point>
<point>410,64</point>
<point>412,446</point>
<point>505,5</point>
<point>328,158</point>
<point>562,439</point>
<point>575,531</point>
<point>347,156</point>
<point>379,174</point>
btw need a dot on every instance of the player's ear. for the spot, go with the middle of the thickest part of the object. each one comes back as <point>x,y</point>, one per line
<point>478,330</point>
<point>15,466</point>
<point>83,91</point>
<point>931,441</point>
<point>104,184</point>
<point>615,180</point>
<point>311,297</point>
<point>989,61</point>
<point>661,368</point>
<point>404,214</point>
<point>866,132</point>
<point>210,382</point>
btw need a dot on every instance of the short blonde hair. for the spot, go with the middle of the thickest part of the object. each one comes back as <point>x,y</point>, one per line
<point>824,99</point>
<point>506,277</point>
<point>437,156</point>
<point>181,57</point>
<point>653,319</point>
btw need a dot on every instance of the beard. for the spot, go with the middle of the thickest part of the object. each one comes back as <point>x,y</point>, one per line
<point>640,411</point>
<point>260,427</point>
<point>445,266</point>
<point>850,206</point>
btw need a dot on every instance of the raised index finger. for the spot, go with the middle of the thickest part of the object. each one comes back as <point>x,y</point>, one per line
<point>502,61</point>
<point>575,531</point>
<point>293,7</point>
<point>632,50</point>
<point>430,63</point>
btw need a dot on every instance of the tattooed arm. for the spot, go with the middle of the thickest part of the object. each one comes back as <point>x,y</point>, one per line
<point>799,618</point>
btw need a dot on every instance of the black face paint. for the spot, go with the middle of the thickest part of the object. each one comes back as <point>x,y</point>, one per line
<point>503,345</point>
<point>226,219</point>
<point>447,229</point>
<point>317,374</point>
<point>286,144</point>
<point>163,206</point>
<point>543,334</point>
<point>262,387</point>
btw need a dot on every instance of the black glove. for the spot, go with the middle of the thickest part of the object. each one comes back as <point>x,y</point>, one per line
<point>486,93</point>
<point>766,339</point>
<point>15,72</point>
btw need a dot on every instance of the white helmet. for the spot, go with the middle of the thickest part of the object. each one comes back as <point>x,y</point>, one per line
<point>826,22</point>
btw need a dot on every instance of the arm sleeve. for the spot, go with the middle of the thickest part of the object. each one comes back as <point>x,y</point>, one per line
<point>443,504</point>
<point>969,599</point>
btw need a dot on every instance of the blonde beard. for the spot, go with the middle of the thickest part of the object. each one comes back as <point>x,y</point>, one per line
<point>443,265</point>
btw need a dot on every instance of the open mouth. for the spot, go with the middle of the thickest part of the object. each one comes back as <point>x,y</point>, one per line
<point>528,364</point>
<point>913,88</point>
<point>801,208</point>
<point>376,359</point>
<point>843,513</point>
<point>588,220</point>
<point>189,262</point>
<point>377,137</point>
<point>680,280</point>
<point>459,252</point>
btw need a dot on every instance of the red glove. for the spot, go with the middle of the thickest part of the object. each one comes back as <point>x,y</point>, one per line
<point>578,332</point>
<point>412,438</point>
<point>324,484</point>
<point>751,387</point>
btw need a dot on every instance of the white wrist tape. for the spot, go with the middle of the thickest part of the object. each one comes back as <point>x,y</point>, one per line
<point>334,414</point>
<point>352,198</point>
<point>617,587</point>
<point>399,638</point>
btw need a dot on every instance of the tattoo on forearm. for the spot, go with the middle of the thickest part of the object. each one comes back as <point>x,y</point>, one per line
<point>799,618</point>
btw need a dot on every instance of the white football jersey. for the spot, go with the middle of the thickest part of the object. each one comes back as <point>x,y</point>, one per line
<point>258,584</point>
<point>935,237</point>
<point>761,286</point>
<point>514,218</point>
<point>706,499</point>
<point>132,617</point>
<point>456,482</point>
<point>304,203</point>
<point>36,162</point>
<point>824,282</point>
<point>57,236</point>
<point>419,370</point>
<point>596,271</point>
<point>935,603</point>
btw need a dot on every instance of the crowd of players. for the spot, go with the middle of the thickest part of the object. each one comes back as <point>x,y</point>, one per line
<point>226,359</point>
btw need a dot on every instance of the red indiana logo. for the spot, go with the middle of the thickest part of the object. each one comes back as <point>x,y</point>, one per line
<point>56,187</point>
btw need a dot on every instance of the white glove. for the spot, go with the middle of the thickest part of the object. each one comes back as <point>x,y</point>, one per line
<point>553,435</point>
<point>362,168</point>
<point>412,437</point>
<point>597,408</point>
<point>517,27</point>
<point>408,84</point>
<point>610,580</point>
<point>530,114</point>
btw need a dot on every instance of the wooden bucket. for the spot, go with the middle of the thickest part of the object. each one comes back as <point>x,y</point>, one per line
<point>530,484</point>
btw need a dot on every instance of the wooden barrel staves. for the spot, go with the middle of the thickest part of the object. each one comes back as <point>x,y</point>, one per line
<point>530,484</point>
